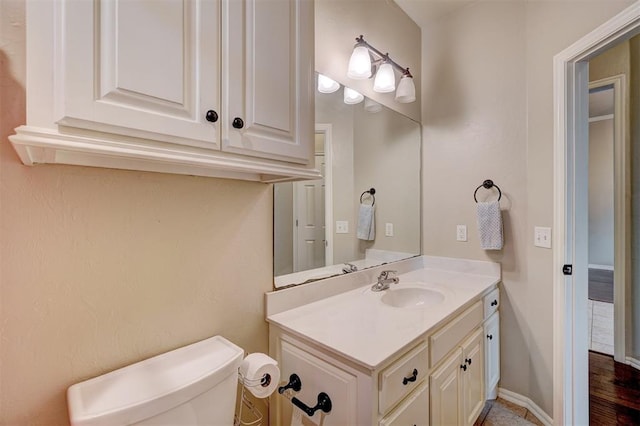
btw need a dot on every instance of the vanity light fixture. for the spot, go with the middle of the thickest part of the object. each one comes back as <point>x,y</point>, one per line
<point>406,92</point>
<point>360,61</point>
<point>385,81</point>
<point>326,84</point>
<point>352,97</point>
<point>361,67</point>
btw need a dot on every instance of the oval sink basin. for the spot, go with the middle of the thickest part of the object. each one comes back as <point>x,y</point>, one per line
<point>412,297</point>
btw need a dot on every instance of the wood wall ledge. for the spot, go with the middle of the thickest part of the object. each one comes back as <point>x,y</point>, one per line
<point>36,145</point>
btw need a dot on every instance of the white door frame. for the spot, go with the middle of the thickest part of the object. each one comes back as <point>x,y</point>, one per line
<point>621,208</point>
<point>570,346</point>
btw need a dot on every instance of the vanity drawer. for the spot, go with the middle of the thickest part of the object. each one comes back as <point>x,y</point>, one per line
<point>451,334</point>
<point>403,376</point>
<point>413,411</point>
<point>491,303</point>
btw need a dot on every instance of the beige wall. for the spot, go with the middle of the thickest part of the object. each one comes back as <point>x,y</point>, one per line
<point>601,193</point>
<point>385,26</point>
<point>387,158</point>
<point>488,113</point>
<point>330,109</point>
<point>101,268</point>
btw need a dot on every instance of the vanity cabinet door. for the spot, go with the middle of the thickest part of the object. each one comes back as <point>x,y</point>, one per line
<point>446,391</point>
<point>492,355</point>
<point>142,69</point>
<point>318,375</point>
<point>413,411</point>
<point>268,81</point>
<point>473,384</point>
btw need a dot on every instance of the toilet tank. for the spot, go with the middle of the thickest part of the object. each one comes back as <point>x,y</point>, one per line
<point>192,385</point>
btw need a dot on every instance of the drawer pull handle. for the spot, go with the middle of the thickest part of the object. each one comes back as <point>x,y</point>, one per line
<point>494,303</point>
<point>490,336</point>
<point>294,383</point>
<point>211,116</point>
<point>324,404</point>
<point>413,377</point>
<point>237,123</point>
<point>468,361</point>
<point>464,367</point>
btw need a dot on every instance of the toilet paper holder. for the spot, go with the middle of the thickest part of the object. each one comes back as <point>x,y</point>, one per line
<point>295,384</point>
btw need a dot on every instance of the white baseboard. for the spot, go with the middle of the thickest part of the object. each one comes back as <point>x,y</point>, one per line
<point>633,362</point>
<point>525,402</point>
<point>605,267</point>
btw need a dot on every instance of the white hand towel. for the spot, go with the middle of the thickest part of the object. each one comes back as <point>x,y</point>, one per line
<point>366,223</point>
<point>490,225</point>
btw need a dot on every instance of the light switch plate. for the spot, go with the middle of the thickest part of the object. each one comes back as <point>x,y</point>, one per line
<point>342,227</point>
<point>542,237</point>
<point>461,233</point>
<point>388,229</point>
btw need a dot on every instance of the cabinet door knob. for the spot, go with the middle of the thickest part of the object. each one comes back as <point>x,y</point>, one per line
<point>211,116</point>
<point>468,361</point>
<point>494,303</point>
<point>464,367</point>
<point>411,378</point>
<point>490,336</point>
<point>238,123</point>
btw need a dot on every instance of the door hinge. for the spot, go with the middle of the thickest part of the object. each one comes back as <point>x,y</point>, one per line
<point>567,269</point>
<point>296,223</point>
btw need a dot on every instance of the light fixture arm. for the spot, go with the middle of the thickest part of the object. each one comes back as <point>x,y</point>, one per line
<point>383,56</point>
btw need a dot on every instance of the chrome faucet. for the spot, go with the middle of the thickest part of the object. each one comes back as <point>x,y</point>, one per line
<point>350,267</point>
<point>384,279</point>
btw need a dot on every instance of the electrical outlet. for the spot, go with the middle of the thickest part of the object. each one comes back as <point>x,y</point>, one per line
<point>388,229</point>
<point>461,233</point>
<point>542,237</point>
<point>342,227</point>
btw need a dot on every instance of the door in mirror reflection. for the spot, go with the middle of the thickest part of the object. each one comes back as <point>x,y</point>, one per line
<point>309,211</point>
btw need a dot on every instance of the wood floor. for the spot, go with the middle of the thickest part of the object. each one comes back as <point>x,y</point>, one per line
<point>614,392</point>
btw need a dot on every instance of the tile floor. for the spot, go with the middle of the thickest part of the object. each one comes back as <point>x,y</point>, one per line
<point>600,326</point>
<point>504,413</point>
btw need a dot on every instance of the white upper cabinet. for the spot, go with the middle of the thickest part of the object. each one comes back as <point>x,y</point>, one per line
<point>151,69</point>
<point>203,87</point>
<point>270,78</point>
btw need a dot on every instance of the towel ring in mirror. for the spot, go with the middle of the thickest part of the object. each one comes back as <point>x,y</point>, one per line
<point>487,184</point>
<point>371,192</point>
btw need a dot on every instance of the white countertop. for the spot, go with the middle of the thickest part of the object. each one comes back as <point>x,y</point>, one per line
<point>358,326</point>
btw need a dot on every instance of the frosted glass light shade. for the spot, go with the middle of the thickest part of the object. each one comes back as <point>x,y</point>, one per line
<point>372,106</point>
<point>326,84</point>
<point>359,64</point>
<point>351,97</point>
<point>385,81</point>
<point>406,92</point>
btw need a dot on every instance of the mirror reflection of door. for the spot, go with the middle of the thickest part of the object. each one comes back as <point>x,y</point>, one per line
<point>309,217</point>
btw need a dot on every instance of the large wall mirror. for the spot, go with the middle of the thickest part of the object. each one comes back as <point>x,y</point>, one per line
<point>358,147</point>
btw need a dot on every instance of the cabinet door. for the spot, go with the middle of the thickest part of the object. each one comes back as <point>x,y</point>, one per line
<point>268,79</point>
<point>473,384</point>
<point>413,411</point>
<point>319,375</point>
<point>492,355</point>
<point>446,391</point>
<point>140,68</point>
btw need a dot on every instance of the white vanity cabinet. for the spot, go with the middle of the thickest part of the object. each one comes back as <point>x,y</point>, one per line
<point>203,87</point>
<point>457,385</point>
<point>438,379</point>
<point>492,343</point>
